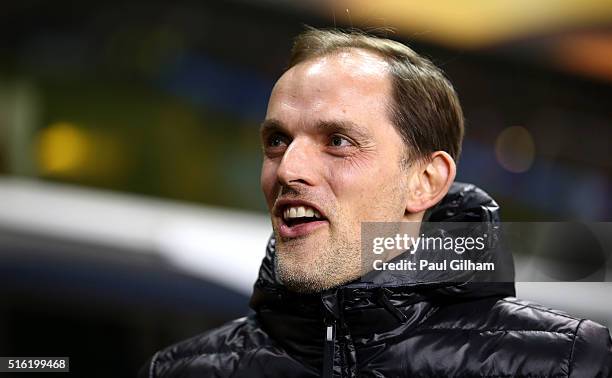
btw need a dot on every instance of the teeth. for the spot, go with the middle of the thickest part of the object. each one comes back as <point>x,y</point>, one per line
<point>300,212</point>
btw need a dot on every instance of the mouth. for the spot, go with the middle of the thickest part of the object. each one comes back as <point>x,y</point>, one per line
<point>298,218</point>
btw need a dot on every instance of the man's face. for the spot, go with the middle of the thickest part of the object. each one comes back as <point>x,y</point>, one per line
<point>332,159</point>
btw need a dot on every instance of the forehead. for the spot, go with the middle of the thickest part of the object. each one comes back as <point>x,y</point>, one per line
<point>353,84</point>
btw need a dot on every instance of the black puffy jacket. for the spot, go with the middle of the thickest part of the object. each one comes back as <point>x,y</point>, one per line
<point>392,327</point>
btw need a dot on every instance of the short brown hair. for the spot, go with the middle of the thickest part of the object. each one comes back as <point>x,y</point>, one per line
<point>425,107</point>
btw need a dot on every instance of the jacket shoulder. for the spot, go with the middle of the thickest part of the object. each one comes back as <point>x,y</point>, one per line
<point>530,316</point>
<point>504,314</point>
<point>527,337</point>
<point>220,347</point>
<point>590,347</point>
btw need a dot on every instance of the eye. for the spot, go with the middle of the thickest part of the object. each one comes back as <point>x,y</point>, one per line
<point>339,141</point>
<point>277,140</point>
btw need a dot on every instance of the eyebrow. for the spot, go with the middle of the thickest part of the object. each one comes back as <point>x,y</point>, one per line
<point>344,127</point>
<point>272,125</point>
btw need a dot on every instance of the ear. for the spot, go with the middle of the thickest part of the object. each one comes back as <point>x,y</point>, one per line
<point>430,181</point>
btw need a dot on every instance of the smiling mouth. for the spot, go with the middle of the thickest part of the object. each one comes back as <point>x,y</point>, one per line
<point>300,221</point>
<point>296,215</point>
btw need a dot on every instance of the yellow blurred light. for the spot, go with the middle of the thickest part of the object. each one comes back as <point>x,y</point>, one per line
<point>586,53</point>
<point>472,23</point>
<point>62,149</point>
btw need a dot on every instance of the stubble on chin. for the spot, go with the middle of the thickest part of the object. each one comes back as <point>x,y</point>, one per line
<point>313,267</point>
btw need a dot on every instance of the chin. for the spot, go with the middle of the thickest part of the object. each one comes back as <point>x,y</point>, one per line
<point>296,252</point>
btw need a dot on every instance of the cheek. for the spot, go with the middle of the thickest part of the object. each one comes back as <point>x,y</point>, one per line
<point>358,181</point>
<point>268,181</point>
<point>368,190</point>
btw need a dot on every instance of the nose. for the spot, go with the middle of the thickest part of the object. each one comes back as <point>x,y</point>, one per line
<point>298,165</point>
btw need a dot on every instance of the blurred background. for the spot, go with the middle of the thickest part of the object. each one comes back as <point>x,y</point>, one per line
<point>129,151</point>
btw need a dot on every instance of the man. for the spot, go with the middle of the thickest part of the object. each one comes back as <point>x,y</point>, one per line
<point>362,129</point>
